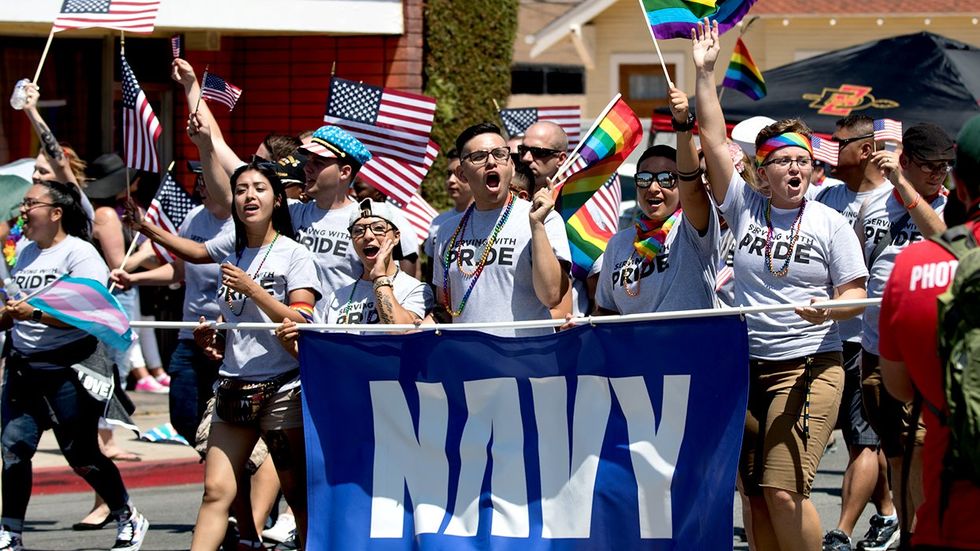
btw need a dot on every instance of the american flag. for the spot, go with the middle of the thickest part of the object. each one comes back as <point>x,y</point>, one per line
<point>390,123</point>
<point>888,130</point>
<point>135,16</point>
<point>167,210</point>
<point>825,150</point>
<point>399,180</point>
<point>419,214</point>
<point>603,206</point>
<point>175,45</point>
<point>219,90</point>
<point>569,118</point>
<point>141,129</point>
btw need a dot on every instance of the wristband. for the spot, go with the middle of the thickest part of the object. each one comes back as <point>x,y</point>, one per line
<point>685,126</point>
<point>914,203</point>
<point>690,176</point>
<point>36,315</point>
<point>383,281</point>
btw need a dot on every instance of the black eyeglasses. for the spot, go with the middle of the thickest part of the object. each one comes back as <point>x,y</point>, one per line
<point>842,143</point>
<point>941,167</point>
<point>784,162</point>
<point>479,158</point>
<point>377,228</point>
<point>665,179</point>
<point>29,203</point>
<point>536,152</point>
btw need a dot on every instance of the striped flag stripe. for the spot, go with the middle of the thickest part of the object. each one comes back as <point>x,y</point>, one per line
<point>392,138</point>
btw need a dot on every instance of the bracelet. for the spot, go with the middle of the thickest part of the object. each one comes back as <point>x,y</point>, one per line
<point>383,281</point>
<point>684,126</point>
<point>690,176</point>
<point>915,202</point>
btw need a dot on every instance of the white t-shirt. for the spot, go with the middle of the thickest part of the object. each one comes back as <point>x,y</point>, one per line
<point>37,268</point>
<point>682,277</point>
<point>901,238</point>
<point>355,303</point>
<point>827,255</point>
<point>201,280</point>
<point>257,355</point>
<point>505,290</point>
<point>850,204</point>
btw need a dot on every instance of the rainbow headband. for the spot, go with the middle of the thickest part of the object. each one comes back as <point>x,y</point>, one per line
<point>786,139</point>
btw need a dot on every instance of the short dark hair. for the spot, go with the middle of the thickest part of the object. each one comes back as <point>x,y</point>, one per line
<point>74,220</point>
<point>452,154</point>
<point>659,150</point>
<point>861,123</point>
<point>524,178</point>
<point>280,145</point>
<point>482,128</point>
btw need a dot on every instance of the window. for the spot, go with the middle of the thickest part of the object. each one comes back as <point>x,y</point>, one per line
<point>547,79</point>
<point>644,87</point>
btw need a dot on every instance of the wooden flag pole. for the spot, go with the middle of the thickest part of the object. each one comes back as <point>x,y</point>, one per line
<point>656,45</point>
<point>201,95</point>
<point>44,55</point>
<point>573,156</point>
<point>132,246</point>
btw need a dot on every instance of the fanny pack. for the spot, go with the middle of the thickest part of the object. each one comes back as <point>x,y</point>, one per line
<point>238,401</point>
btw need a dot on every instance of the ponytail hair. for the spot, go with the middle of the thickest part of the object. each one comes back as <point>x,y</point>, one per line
<point>74,220</point>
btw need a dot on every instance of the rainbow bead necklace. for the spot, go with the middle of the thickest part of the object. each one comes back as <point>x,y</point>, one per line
<point>475,274</point>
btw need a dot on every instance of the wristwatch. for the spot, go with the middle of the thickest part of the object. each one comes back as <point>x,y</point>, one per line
<point>685,126</point>
<point>36,315</point>
<point>383,281</point>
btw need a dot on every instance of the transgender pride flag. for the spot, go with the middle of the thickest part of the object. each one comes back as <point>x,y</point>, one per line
<point>86,304</point>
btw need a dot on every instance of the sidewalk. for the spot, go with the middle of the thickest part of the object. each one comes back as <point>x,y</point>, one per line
<point>162,464</point>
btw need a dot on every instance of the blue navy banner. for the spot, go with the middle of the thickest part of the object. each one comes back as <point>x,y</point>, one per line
<point>617,436</point>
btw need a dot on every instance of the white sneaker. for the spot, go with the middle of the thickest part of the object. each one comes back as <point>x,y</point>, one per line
<point>10,541</point>
<point>130,532</point>
<point>279,533</point>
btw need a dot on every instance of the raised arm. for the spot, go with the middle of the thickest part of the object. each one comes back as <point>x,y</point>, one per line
<point>711,120</point>
<point>694,198</point>
<point>925,217</point>
<point>53,151</point>
<point>187,249</point>
<point>549,278</point>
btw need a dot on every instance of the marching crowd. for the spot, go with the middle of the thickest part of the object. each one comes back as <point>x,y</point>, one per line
<point>291,237</point>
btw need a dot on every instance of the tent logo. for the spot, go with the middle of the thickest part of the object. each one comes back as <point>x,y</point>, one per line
<point>841,101</point>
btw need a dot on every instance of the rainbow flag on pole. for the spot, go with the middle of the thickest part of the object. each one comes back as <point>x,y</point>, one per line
<point>590,229</point>
<point>743,74</point>
<point>676,18</point>
<point>86,304</point>
<point>614,136</point>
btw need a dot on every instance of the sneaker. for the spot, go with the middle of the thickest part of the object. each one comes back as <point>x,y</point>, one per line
<point>289,544</point>
<point>163,379</point>
<point>881,535</point>
<point>279,533</point>
<point>10,541</point>
<point>149,384</point>
<point>836,540</point>
<point>130,532</point>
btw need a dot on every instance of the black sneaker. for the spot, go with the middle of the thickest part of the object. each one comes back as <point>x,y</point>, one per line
<point>836,540</point>
<point>881,535</point>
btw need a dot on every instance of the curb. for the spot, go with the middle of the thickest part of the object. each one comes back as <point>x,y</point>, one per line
<point>145,474</point>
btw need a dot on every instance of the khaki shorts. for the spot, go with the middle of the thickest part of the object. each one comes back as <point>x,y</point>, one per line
<point>259,453</point>
<point>782,446</point>
<point>889,417</point>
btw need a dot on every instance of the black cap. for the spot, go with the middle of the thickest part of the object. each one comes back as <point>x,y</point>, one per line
<point>108,174</point>
<point>290,169</point>
<point>928,142</point>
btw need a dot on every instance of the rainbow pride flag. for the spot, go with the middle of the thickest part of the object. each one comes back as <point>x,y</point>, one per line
<point>676,18</point>
<point>743,74</point>
<point>605,148</point>
<point>590,229</point>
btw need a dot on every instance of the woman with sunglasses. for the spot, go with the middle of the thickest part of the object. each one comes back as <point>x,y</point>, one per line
<point>268,278</point>
<point>668,260</point>
<point>788,251</point>
<point>41,389</point>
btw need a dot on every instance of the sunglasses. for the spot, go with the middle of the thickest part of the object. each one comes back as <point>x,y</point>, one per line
<point>665,179</point>
<point>941,167</point>
<point>842,143</point>
<point>536,152</point>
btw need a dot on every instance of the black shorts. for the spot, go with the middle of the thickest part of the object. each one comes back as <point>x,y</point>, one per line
<point>851,419</point>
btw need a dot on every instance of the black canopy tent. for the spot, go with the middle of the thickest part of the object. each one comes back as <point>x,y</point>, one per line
<point>914,78</point>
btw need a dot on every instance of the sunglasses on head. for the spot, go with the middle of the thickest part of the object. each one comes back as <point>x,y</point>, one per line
<point>536,152</point>
<point>665,179</point>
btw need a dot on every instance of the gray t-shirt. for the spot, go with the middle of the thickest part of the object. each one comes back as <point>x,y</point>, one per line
<point>682,277</point>
<point>354,304</point>
<point>437,222</point>
<point>201,280</point>
<point>901,237</point>
<point>257,355</point>
<point>827,255</point>
<point>37,268</point>
<point>850,204</point>
<point>505,290</point>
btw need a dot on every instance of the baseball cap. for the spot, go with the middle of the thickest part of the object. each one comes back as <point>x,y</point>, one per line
<point>745,132</point>
<point>928,142</point>
<point>368,208</point>
<point>289,169</point>
<point>335,142</point>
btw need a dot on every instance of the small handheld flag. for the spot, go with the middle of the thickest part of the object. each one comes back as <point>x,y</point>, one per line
<point>86,304</point>
<point>825,150</point>
<point>134,16</point>
<point>888,130</point>
<point>141,128</point>
<point>743,74</point>
<point>220,90</point>
<point>397,179</point>
<point>175,41</point>
<point>167,210</point>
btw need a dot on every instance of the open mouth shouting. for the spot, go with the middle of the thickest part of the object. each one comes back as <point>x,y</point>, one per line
<point>794,184</point>
<point>492,181</point>
<point>371,251</point>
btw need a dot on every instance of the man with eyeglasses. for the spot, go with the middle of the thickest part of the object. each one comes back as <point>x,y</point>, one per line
<point>913,211</point>
<point>543,149</point>
<point>503,258</point>
<point>861,200</point>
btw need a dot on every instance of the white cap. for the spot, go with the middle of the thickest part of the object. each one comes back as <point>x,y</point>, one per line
<point>745,132</point>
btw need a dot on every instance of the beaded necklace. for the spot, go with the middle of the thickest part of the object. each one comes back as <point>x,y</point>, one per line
<point>253,276</point>
<point>794,228</point>
<point>651,239</point>
<point>10,246</point>
<point>475,274</point>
